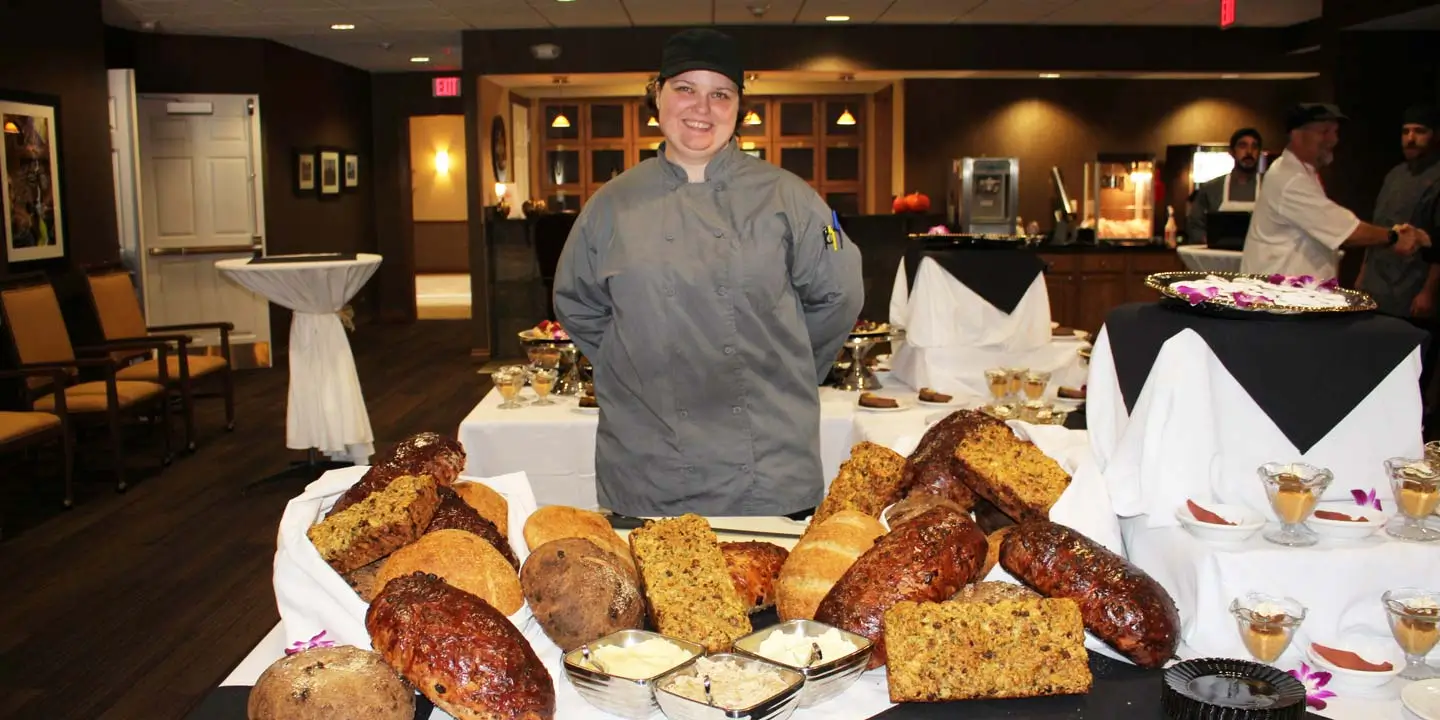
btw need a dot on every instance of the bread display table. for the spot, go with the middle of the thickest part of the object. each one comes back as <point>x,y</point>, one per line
<point>326,409</point>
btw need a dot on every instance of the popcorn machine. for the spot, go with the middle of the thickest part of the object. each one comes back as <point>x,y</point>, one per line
<point>1120,197</point>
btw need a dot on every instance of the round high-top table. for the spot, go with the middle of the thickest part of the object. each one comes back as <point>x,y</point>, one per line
<point>325,410</point>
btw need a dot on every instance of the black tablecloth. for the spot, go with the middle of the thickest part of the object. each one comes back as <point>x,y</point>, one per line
<point>1000,275</point>
<point>1305,372</point>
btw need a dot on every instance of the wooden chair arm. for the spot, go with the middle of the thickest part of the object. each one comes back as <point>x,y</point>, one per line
<point>222,326</point>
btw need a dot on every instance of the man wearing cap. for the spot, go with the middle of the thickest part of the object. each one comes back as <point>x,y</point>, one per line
<point>711,291</point>
<point>1234,191</point>
<point>1296,228</point>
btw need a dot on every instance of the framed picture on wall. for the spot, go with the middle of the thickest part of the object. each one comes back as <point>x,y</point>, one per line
<point>328,169</point>
<point>352,171</point>
<point>304,172</point>
<point>30,183</point>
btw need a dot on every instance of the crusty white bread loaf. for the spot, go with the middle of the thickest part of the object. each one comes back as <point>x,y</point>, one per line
<point>555,522</point>
<point>463,560</point>
<point>820,559</point>
<point>490,504</point>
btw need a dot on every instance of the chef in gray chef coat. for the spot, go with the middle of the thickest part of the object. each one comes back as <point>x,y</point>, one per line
<point>1405,286</point>
<point>710,290</point>
<point>1234,191</point>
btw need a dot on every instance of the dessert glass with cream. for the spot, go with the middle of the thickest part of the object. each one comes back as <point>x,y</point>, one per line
<point>998,380</point>
<point>508,381</point>
<point>1034,384</point>
<point>1416,485</point>
<point>1294,490</point>
<point>1414,616</point>
<point>1267,624</point>
<point>542,381</point>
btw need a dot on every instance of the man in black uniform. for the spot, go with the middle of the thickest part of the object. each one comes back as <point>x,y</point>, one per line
<point>1234,191</point>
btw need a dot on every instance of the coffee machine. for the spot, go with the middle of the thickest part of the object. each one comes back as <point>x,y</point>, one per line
<point>983,196</point>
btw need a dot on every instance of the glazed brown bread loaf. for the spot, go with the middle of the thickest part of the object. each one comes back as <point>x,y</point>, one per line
<point>330,683</point>
<point>1012,473</point>
<point>425,454</point>
<point>754,570</point>
<point>458,651</point>
<point>454,514</point>
<point>462,560</point>
<point>820,559</point>
<point>933,470</point>
<point>554,522</point>
<point>867,482</point>
<point>925,560</point>
<point>378,525</point>
<point>1122,605</point>
<point>580,593</point>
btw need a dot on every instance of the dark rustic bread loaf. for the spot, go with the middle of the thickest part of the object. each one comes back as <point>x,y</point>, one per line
<point>580,592</point>
<point>425,454</point>
<point>925,560</point>
<point>458,651</point>
<point>933,470</point>
<point>330,683</point>
<point>1121,604</point>
<point>754,569</point>
<point>454,513</point>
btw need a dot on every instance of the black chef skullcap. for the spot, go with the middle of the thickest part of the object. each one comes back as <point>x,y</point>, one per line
<point>1244,133</point>
<point>702,49</point>
<point>1424,114</point>
<point>1306,113</point>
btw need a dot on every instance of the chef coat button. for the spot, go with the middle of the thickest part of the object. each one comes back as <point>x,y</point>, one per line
<point>686,468</point>
<point>669,238</point>
<point>735,411</point>
<point>719,233</point>
<point>684,414</point>
<point>721,291</point>
<point>744,468</point>
<point>669,290</point>
<point>729,350</point>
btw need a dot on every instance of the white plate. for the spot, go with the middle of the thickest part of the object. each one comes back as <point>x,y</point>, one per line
<point>1423,699</point>
<point>1083,335</point>
<point>904,405</point>
<point>1249,523</point>
<point>1374,650</point>
<point>1342,530</point>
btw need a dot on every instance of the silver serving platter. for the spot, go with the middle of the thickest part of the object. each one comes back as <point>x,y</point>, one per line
<point>826,679</point>
<point>776,707</point>
<point>622,697</point>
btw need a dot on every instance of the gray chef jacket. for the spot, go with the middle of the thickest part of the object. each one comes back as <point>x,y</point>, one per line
<point>1208,198</point>
<point>710,311</point>
<point>1391,278</point>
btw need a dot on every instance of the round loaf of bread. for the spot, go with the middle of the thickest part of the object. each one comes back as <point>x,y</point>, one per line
<point>580,593</point>
<point>490,504</point>
<point>463,560</point>
<point>554,522</point>
<point>820,559</point>
<point>993,592</point>
<point>330,683</point>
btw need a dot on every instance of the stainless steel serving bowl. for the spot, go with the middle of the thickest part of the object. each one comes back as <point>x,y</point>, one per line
<point>776,707</point>
<point>623,697</point>
<point>829,677</point>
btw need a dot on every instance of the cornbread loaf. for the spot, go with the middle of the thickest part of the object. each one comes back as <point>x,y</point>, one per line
<point>819,560</point>
<point>1121,605</point>
<point>991,592</point>
<point>454,514</point>
<point>686,583</point>
<point>580,593</point>
<point>458,651</point>
<point>330,683</point>
<point>380,524</point>
<point>463,560</point>
<point>554,522</point>
<point>927,559</point>
<point>933,470</point>
<point>867,482</point>
<point>490,504</point>
<point>1012,473</point>
<point>362,580</point>
<point>754,570</point>
<point>965,651</point>
<point>425,454</point>
<point>992,555</point>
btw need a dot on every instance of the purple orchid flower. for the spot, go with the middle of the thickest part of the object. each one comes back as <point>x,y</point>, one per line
<point>1245,300</point>
<point>1315,682</point>
<point>317,641</point>
<point>1194,295</point>
<point>1302,281</point>
<point>1329,285</point>
<point>938,230</point>
<point>1364,499</point>
<point>1276,279</point>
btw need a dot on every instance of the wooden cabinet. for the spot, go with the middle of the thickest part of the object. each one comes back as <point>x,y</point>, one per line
<point>1085,286</point>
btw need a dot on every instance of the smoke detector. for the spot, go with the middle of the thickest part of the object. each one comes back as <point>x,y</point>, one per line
<point>545,51</point>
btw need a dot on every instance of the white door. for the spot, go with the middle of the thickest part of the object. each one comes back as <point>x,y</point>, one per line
<point>202,196</point>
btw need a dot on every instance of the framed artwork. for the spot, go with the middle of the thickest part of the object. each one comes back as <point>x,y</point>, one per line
<point>499,150</point>
<point>352,171</point>
<point>30,184</point>
<point>304,172</point>
<point>328,172</point>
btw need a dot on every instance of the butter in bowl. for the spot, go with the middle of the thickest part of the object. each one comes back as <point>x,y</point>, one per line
<point>617,673</point>
<point>729,686</point>
<point>831,659</point>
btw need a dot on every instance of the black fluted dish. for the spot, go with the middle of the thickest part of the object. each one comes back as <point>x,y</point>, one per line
<point>1225,689</point>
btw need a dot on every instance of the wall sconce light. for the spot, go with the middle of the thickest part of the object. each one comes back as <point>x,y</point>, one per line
<point>500,190</point>
<point>752,118</point>
<point>652,122</point>
<point>845,118</point>
<point>560,121</point>
<point>11,128</point>
<point>442,162</point>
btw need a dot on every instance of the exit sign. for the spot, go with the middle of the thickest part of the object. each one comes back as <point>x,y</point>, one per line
<point>447,87</point>
<point>1227,13</point>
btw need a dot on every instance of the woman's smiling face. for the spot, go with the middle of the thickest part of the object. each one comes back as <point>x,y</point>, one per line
<point>698,112</point>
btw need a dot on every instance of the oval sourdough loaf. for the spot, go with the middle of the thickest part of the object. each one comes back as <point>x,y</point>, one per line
<point>461,559</point>
<point>580,593</point>
<point>819,560</point>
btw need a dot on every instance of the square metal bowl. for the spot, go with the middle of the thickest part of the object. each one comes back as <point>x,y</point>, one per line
<point>776,707</point>
<point>826,679</point>
<point>624,697</point>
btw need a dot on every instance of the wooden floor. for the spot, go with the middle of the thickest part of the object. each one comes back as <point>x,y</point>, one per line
<point>136,605</point>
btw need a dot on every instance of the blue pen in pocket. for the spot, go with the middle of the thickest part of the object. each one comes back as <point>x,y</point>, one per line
<point>836,237</point>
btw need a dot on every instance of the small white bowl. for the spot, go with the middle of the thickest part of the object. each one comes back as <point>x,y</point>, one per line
<point>1422,698</point>
<point>1341,530</point>
<point>1248,522</point>
<point>1374,650</point>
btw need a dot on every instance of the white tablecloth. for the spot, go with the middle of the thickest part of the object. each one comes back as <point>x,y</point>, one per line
<point>1203,259</point>
<point>326,409</point>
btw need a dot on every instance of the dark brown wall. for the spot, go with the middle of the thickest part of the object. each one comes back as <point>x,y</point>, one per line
<point>57,48</point>
<point>1065,123</point>
<point>394,98</point>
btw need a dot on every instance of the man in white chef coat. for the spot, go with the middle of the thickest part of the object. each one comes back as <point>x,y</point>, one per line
<point>1296,228</point>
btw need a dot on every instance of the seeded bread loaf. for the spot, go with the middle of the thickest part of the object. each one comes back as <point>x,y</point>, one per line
<point>993,592</point>
<point>1012,473</point>
<point>868,481</point>
<point>382,523</point>
<point>428,453</point>
<point>686,583</point>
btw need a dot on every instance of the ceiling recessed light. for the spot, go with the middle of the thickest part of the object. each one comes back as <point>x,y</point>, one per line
<point>342,26</point>
<point>1049,76</point>
<point>837,18</point>
<point>419,59</point>
<point>564,0</point>
<point>1230,76</point>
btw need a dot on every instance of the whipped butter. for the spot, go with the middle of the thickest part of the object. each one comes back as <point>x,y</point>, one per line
<point>637,662</point>
<point>794,649</point>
